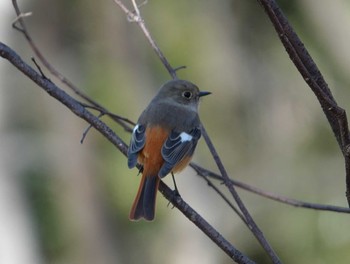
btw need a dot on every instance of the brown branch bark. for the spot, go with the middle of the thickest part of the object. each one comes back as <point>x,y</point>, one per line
<point>201,223</point>
<point>204,173</point>
<point>136,17</point>
<point>302,60</point>
<point>249,220</point>
<point>21,26</point>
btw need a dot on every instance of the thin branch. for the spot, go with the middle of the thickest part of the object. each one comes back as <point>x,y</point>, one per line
<point>302,60</point>
<point>203,225</point>
<point>39,68</point>
<point>136,8</point>
<point>278,198</point>
<point>21,15</point>
<point>223,196</point>
<point>251,223</point>
<point>87,130</point>
<point>136,17</point>
<point>126,123</point>
<point>75,106</point>
<point>23,29</point>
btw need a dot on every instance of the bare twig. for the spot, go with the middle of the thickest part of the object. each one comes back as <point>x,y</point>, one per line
<point>23,29</point>
<point>39,68</point>
<point>20,16</point>
<point>223,196</point>
<point>199,221</point>
<point>136,17</point>
<point>308,69</point>
<point>75,106</point>
<point>127,124</point>
<point>278,198</point>
<point>87,130</point>
<point>250,221</point>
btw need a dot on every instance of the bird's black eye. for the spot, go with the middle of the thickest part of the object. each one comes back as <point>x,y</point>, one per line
<point>187,94</point>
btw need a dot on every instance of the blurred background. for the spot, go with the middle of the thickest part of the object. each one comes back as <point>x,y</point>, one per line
<point>66,202</point>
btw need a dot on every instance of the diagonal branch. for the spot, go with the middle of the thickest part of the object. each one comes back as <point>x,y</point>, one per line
<point>204,173</point>
<point>200,222</point>
<point>21,27</point>
<point>222,195</point>
<point>308,69</point>
<point>250,221</point>
<point>136,17</point>
<point>75,106</point>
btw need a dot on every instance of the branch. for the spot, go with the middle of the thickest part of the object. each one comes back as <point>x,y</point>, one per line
<point>23,29</point>
<point>251,223</point>
<point>136,17</point>
<point>203,225</point>
<point>78,109</point>
<point>233,207</point>
<point>204,173</point>
<point>75,106</point>
<point>308,69</point>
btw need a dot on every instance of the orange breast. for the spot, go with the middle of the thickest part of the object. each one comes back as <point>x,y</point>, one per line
<point>182,164</point>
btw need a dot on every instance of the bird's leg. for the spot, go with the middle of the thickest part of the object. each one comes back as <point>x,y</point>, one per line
<point>176,190</point>
<point>140,170</point>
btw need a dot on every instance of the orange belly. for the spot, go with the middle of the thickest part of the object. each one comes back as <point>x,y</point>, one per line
<point>150,156</point>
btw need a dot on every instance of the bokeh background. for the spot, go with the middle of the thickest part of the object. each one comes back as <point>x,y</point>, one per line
<point>63,202</point>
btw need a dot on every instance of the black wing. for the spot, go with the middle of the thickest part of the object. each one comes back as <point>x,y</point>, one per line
<point>177,146</point>
<point>137,142</point>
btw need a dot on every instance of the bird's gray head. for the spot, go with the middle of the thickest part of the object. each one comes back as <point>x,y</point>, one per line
<point>181,92</point>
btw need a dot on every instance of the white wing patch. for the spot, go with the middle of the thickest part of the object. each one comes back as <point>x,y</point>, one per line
<point>185,137</point>
<point>135,128</point>
<point>177,147</point>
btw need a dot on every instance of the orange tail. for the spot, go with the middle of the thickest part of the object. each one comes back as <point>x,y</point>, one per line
<point>145,201</point>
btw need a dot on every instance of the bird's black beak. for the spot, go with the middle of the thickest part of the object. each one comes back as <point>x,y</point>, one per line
<point>203,93</point>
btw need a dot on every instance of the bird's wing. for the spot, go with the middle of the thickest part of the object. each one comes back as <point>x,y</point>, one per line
<point>137,142</point>
<point>178,146</point>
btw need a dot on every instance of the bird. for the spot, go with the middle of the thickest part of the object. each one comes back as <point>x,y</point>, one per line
<point>163,141</point>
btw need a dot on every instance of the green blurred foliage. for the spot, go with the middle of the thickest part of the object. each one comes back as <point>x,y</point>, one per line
<point>264,120</point>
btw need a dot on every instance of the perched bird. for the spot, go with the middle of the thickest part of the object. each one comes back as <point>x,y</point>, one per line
<point>164,140</point>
